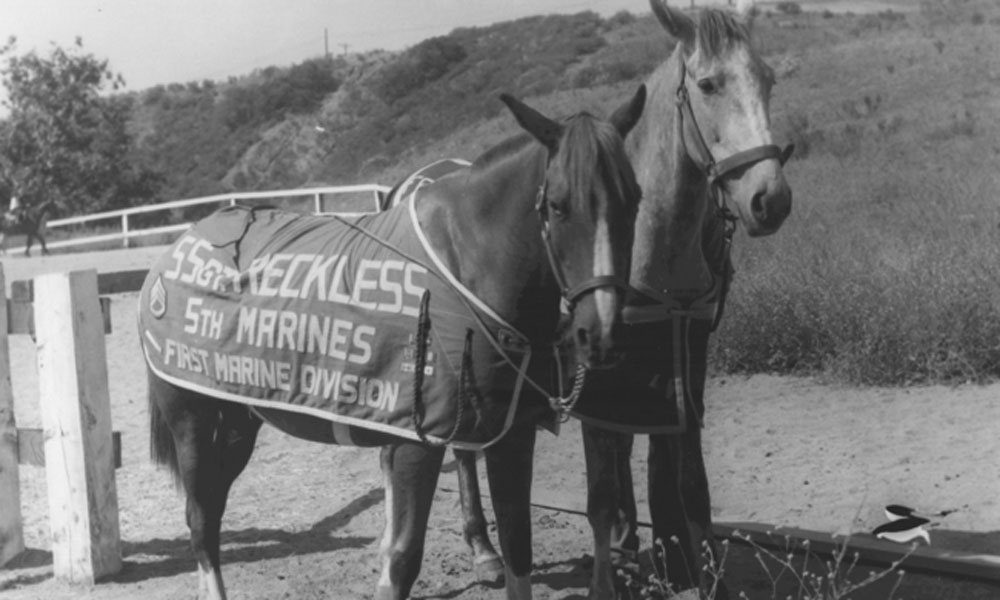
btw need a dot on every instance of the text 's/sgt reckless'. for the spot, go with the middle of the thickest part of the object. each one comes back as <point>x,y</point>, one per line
<point>390,286</point>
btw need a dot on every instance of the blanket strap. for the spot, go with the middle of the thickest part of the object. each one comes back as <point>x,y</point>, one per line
<point>420,362</point>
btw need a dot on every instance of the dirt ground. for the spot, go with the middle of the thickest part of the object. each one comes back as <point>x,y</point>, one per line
<point>304,519</point>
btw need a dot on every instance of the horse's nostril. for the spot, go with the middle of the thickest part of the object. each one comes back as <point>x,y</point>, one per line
<point>757,206</point>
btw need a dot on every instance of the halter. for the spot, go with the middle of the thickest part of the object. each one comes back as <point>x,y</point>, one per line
<point>570,296</point>
<point>563,403</point>
<point>714,170</point>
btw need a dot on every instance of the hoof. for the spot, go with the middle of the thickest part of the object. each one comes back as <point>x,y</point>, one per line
<point>489,570</point>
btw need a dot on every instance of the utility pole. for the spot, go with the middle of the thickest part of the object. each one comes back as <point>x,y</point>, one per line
<point>345,47</point>
<point>326,43</point>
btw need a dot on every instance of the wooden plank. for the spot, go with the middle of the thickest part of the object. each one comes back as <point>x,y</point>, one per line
<point>117,282</point>
<point>121,281</point>
<point>873,551</point>
<point>31,447</point>
<point>11,525</point>
<point>21,317</point>
<point>76,416</point>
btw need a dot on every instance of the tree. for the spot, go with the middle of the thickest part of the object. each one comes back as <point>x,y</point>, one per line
<point>63,141</point>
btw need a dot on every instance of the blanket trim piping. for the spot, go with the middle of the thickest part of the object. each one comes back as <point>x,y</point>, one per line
<point>450,277</point>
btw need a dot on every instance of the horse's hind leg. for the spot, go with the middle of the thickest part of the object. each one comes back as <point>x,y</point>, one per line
<point>213,441</point>
<point>487,563</point>
<point>411,472</point>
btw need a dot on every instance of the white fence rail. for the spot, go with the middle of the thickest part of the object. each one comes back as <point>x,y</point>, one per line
<point>315,195</point>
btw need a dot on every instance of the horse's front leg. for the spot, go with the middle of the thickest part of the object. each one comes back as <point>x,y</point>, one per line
<point>487,563</point>
<point>509,470</point>
<point>680,507</point>
<point>410,472</point>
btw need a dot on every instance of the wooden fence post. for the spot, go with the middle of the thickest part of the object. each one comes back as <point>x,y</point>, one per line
<point>11,526</point>
<point>76,416</point>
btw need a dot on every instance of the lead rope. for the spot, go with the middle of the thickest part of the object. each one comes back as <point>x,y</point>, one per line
<point>562,405</point>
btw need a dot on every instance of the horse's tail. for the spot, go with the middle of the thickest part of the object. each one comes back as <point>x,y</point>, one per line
<point>162,448</point>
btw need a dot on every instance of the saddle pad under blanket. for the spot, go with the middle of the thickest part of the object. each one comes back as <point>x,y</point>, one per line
<point>659,387</point>
<point>319,316</point>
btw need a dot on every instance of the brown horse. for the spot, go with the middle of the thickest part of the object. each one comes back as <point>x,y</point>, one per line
<point>29,222</point>
<point>536,223</point>
<point>705,139</point>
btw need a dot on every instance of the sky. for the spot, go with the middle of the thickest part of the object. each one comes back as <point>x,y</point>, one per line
<point>150,42</point>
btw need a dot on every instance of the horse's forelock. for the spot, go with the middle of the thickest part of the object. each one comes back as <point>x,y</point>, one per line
<point>596,149</point>
<point>718,31</point>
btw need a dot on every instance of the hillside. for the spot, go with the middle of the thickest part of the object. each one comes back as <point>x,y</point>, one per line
<point>346,119</point>
<point>371,117</point>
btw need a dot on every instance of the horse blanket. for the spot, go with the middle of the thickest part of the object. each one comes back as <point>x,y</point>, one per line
<point>322,317</point>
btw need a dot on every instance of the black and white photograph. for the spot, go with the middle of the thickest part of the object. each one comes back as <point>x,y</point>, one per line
<point>454,300</point>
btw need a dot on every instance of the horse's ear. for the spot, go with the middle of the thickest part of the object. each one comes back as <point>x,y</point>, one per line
<point>680,26</point>
<point>544,129</point>
<point>625,118</point>
<point>746,11</point>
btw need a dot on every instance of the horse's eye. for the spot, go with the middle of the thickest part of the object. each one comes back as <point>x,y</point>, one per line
<point>707,85</point>
<point>559,209</point>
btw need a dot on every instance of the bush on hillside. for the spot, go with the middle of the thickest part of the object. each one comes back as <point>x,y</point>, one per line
<point>297,90</point>
<point>419,66</point>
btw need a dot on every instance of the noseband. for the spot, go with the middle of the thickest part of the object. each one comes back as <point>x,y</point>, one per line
<point>570,296</point>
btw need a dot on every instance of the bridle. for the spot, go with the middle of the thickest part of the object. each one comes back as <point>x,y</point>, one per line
<point>563,403</point>
<point>570,296</point>
<point>711,304</point>
<point>717,171</point>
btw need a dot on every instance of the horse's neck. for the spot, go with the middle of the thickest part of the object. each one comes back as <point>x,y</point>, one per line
<point>667,255</point>
<point>485,228</point>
